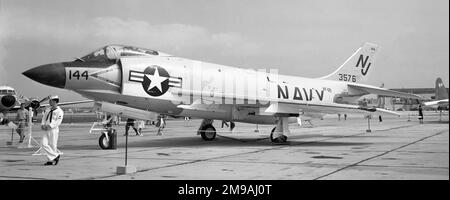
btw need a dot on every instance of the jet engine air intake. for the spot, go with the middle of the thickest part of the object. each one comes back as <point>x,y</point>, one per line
<point>7,101</point>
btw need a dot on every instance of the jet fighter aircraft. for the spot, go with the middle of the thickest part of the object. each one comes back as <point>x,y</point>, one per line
<point>154,81</point>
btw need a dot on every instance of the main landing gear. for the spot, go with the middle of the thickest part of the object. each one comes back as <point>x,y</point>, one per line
<point>207,130</point>
<point>278,133</point>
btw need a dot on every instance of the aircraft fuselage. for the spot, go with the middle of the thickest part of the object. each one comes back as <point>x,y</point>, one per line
<point>162,84</point>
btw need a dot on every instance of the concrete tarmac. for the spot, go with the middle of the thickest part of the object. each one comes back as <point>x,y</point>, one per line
<point>331,149</point>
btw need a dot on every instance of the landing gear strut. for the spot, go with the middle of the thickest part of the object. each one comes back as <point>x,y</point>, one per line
<point>278,133</point>
<point>207,130</point>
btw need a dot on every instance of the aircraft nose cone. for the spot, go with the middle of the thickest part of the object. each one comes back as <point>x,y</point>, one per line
<point>51,74</point>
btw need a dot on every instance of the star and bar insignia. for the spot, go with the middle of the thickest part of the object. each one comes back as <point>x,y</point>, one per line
<point>155,80</point>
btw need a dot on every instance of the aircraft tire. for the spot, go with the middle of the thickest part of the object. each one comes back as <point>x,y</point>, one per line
<point>103,142</point>
<point>271,134</point>
<point>283,137</point>
<point>208,132</point>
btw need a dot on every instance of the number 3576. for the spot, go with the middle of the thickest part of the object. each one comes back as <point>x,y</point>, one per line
<point>347,77</point>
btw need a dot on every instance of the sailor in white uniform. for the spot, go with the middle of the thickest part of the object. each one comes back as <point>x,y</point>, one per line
<point>51,120</point>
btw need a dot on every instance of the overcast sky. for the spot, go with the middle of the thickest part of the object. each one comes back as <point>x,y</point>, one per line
<point>301,38</point>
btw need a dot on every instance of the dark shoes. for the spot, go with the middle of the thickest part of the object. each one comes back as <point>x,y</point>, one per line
<point>21,138</point>
<point>56,160</point>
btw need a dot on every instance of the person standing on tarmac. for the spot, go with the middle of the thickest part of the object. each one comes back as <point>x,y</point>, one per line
<point>420,114</point>
<point>51,120</point>
<point>21,120</point>
<point>161,124</point>
<point>232,125</point>
<point>130,123</point>
<point>224,122</point>
<point>2,120</point>
<point>139,125</point>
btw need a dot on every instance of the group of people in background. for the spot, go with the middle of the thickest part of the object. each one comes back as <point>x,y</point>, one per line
<point>339,116</point>
<point>420,110</point>
<point>231,126</point>
<point>136,125</point>
<point>21,121</point>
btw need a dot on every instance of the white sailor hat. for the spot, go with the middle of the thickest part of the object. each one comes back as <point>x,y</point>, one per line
<point>54,97</point>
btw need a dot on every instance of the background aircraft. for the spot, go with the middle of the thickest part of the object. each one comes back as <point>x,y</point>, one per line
<point>10,102</point>
<point>441,96</point>
<point>153,81</point>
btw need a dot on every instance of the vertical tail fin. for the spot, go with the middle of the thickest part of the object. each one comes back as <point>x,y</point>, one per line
<point>440,91</point>
<point>357,68</point>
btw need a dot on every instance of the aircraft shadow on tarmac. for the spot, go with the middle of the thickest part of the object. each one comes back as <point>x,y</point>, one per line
<point>195,142</point>
<point>223,142</point>
<point>24,163</point>
<point>436,122</point>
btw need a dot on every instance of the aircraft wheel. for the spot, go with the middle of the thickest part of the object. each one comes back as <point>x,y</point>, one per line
<point>271,134</point>
<point>208,132</point>
<point>283,138</point>
<point>103,142</point>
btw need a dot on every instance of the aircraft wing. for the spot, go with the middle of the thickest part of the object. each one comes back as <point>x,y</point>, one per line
<point>383,92</point>
<point>436,103</point>
<point>15,108</point>
<point>203,107</point>
<point>284,107</point>
<point>69,103</point>
<point>292,108</point>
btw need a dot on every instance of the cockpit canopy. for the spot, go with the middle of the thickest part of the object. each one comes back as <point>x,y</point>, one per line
<point>5,90</point>
<point>113,52</point>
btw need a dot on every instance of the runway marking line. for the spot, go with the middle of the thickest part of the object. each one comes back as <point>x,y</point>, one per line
<point>376,156</point>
